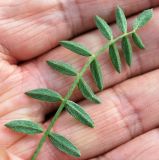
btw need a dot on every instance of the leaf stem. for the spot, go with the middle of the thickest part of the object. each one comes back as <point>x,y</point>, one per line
<point>70,92</point>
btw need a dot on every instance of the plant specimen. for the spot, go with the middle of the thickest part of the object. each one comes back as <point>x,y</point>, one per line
<point>74,109</point>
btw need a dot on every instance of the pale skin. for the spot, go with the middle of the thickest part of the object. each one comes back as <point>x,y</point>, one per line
<point>126,122</point>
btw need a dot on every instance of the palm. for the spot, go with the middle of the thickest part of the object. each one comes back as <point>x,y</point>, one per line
<point>28,31</point>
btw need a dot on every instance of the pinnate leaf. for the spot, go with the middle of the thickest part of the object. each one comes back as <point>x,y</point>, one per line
<point>137,40</point>
<point>64,145</point>
<point>24,126</point>
<point>46,95</point>
<point>77,111</point>
<point>115,57</point>
<point>76,47</point>
<point>87,91</point>
<point>104,27</point>
<point>97,73</point>
<point>62,67</point>
<point>121,20</point>
<point>127,50</point>
<point>143,18</point>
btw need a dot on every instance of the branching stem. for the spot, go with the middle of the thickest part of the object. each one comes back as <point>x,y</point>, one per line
<point>72,88</point>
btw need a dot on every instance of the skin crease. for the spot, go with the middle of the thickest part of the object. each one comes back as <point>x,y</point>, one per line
<point>127,119</point>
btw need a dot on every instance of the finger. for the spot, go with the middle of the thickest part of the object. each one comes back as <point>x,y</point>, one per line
<point>143,147</point>
<point>126,111</point>
<point>27,32</point>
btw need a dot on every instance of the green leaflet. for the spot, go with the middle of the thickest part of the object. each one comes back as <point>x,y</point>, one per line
<point>77,111</point>
<point>87,91</point>
<point>97,73</point>
<point>127,50</point>
<point>143,18</point>
<point>115,57</point>
<point>137,40</point>
<point>104,27</point>
<point>121,20</point>
<point>76,47</point>
<point>46,95</point>
<point>24,126</point>
<point>62,68</point>
<point>64,145</point>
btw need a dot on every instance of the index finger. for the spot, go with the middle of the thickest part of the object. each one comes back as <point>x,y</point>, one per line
<point>40,26</point>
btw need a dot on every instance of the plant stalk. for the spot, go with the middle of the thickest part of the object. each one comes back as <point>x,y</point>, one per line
<point>70,92</point>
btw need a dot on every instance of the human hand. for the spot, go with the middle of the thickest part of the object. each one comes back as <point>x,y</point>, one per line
<point>30,31</point>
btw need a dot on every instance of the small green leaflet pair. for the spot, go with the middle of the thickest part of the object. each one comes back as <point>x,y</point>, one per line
<point>74,109</point>
<point>82,85</point>
<point>29,127</point>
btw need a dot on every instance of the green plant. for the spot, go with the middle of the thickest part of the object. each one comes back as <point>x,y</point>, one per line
<point>47,95</point>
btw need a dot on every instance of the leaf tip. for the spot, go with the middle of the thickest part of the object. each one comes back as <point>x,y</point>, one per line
<point>96,16</point>
<point>151,10</point>
<point>129,64</point>
<point>91,125</point>
<point>101,88</point>
<point>6,125</point>
<point>118,7</point>
<point>27,93</point>
<point>118,70</point>
<point>62,42</point>
<point>97,100</point>
<point>49,62</point>
<point>78,154</point>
